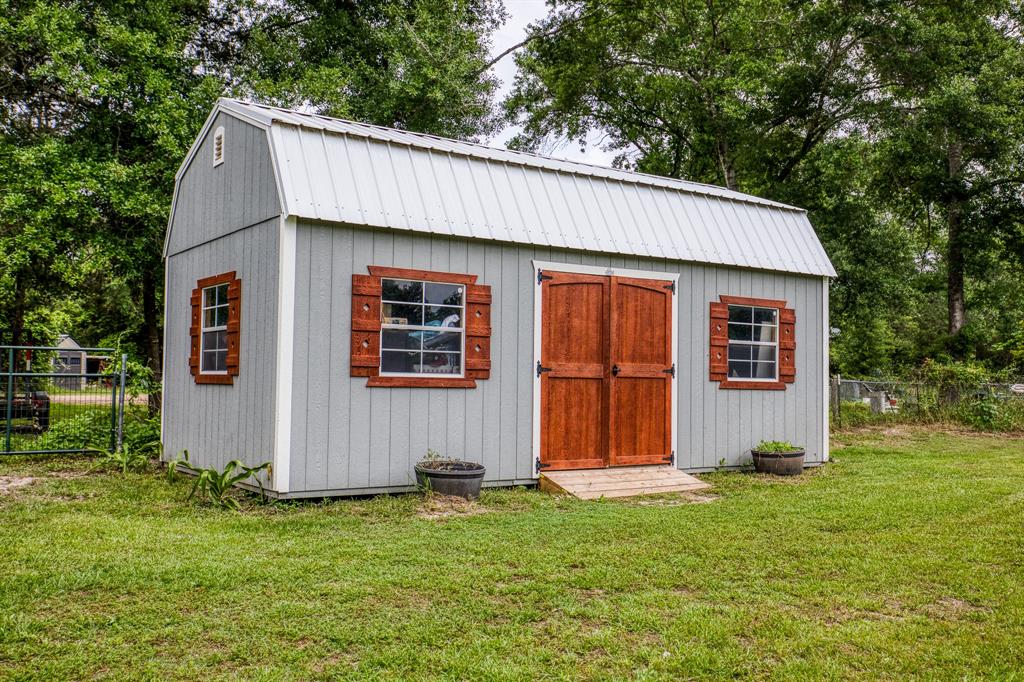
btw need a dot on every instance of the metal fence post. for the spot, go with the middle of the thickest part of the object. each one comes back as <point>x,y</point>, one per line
<point>120,406</point>
<point>10,399</point>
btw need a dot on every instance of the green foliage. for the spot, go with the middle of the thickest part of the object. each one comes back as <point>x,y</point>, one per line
<point>775,446</point>
<point>128,458</point>
<point>87,430</point>
<point>217,486</point>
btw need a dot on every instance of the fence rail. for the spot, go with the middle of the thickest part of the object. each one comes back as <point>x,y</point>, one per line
<point>51,403</point>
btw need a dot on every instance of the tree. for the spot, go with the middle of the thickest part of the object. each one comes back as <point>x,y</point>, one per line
<point>953,126</point>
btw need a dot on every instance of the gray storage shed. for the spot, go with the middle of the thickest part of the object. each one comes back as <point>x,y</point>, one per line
<point>341,297</point>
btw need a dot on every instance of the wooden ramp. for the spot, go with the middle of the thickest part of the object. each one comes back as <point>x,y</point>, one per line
<point>590,484</point>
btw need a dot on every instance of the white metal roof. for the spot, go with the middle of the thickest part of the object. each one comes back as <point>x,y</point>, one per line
<point>335,170</point>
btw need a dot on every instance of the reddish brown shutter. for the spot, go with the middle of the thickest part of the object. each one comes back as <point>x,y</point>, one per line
<point>365,325</point>
<point>194,330</point>
<point>478,331</point>
<point>365,355</point>
<point>787,345</point>
<point>719,369</point>
<point>233,331</point>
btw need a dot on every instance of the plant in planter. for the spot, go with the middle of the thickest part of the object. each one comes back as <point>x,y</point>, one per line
<point>778,457</point>
<point>449,476</point>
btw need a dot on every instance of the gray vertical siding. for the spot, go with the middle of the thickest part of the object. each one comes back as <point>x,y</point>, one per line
<point>348,437</point>
<point>216,200</point>
<point>219,423</point>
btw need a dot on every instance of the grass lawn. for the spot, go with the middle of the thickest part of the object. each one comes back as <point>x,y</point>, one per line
<point>905,557</point>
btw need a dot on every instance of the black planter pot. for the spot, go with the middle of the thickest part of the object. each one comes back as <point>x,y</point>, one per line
<point>459,479</point>
<point>779,463</point>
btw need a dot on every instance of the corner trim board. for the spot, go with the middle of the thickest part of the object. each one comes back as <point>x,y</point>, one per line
<point>285,356</point>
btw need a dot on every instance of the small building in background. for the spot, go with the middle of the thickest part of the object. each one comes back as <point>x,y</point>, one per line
<point>72,360</point>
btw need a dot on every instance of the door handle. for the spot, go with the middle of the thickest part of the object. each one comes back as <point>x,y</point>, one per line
<point>615,370</point>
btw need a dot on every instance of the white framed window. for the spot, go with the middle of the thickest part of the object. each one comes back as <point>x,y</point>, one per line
<point>753,343</point>
<point>218,146</point>
<point>214,332</point>
<point>422,328</point>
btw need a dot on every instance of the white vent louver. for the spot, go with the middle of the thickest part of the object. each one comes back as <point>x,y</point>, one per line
<point>218,146</point>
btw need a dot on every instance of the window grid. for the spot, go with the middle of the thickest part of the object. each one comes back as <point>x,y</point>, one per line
<point>423,330</point>
<point>213,352</point>
<point>750,324</point>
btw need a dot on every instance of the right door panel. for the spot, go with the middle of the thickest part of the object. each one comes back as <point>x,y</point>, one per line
<point>640,404</point>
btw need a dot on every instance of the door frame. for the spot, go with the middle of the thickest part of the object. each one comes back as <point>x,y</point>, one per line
<point>538,302</point>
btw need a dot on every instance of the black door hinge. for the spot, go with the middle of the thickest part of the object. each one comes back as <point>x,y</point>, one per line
<point>541,276</point>
<point>540,465</point>
<point>671,370</point>
<point>670,458</point>
<point>542,369</point>
<point>671,287</point>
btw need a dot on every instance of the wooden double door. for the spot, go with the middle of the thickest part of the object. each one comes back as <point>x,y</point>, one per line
<point>605,371</point>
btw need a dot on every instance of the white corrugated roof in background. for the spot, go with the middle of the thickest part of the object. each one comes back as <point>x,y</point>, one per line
<point>340,171</point>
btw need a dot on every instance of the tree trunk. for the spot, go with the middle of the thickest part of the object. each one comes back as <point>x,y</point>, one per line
<point>151,338</point>
<point>955,259</point>
<point>728,170</point>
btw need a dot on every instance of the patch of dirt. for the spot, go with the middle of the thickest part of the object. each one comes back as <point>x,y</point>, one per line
<point>10,483</point>
<point>951,608</point>
<point>443,507</point>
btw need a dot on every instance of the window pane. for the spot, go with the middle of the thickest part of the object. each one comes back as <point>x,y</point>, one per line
<point>215,361</point>
<point>739,351</point>
<point>401,290</point>
<point>765,315</point>
<point>764,370</point>
<point>215,340</point>
<point>209,318</point>
<point>444,294</point>
<point>739,369</point>
<point>209,297</point>
<point>739,313</point>
<point>763,333</point>
<point>399,362</point>
<point>400,339</point>
<point>442,340</point>
<point>398,313</point>
<point>764,353</point>
<point>222,294</point>
<point>444,317</point>
<point>739,332</point>
<point>441,363</point>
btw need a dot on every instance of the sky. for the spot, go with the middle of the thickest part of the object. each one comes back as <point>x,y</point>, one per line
<point>521,14</point>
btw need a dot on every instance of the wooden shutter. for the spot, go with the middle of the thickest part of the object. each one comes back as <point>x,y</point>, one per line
<point>719,369</point>
<point>478,331</point>
<point>365,326</point>
<point>234,328</point>
<point>365,354</point>
<point>787,345</point>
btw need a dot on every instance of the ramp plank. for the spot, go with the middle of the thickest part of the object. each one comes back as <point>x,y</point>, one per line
<point>589,484</point>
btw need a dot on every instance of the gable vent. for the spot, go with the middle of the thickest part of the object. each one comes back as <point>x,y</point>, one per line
<point>218,146</point>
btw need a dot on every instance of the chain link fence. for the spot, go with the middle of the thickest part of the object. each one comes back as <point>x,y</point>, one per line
<point>991,406</point>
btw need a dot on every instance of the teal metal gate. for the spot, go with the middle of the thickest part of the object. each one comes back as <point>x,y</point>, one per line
<point>56,400</point>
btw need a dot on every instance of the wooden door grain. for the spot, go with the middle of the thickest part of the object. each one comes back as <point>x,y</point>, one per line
<point>574,371</point>
<point>640,401</point>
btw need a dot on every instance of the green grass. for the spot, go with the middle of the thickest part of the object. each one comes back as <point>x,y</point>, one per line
<point>903,558</point>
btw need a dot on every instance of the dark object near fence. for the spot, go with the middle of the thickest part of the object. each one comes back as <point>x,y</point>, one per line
<point>451,477</point>
<point>790,463</point>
